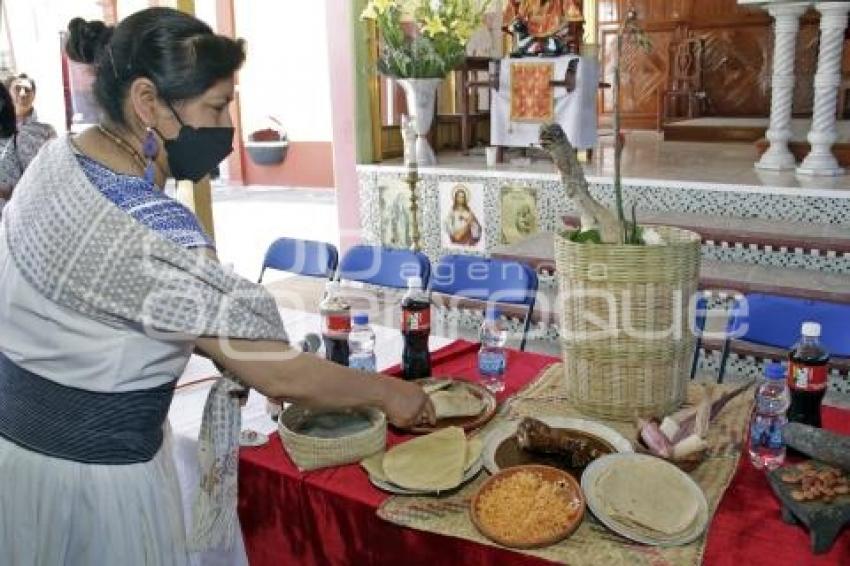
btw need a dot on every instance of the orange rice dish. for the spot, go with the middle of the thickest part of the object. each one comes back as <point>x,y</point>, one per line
<point>525,508</point>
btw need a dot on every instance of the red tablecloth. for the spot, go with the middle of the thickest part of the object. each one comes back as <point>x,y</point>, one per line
<point>328,516</point>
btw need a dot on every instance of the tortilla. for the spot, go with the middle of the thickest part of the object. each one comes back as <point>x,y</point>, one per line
<point>456,402</point>
<point>435,386</point>
<point>433,462</point>
<point>374,466</point>
<point>647,493</point>
<point>474,447</point>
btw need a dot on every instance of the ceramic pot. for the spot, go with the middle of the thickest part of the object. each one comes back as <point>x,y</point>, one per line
<point>421,97</point>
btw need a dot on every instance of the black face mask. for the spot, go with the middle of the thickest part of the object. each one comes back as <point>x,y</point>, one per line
<point>197,151</point>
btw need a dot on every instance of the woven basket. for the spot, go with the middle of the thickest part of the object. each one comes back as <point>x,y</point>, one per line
<point>625,329</point>
<point>312,453</point>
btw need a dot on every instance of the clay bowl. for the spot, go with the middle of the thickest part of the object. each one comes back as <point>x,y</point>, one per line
<point>549,474</point>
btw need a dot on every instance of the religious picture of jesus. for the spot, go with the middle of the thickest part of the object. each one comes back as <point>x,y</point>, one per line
<point>461,213</point>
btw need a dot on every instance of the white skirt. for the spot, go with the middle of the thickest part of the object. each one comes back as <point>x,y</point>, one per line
<point>57,512</point>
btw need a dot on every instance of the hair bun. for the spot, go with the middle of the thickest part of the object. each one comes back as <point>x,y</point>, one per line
<point>86,40</point>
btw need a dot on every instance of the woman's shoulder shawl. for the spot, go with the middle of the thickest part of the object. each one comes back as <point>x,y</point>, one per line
<point>81,251</point>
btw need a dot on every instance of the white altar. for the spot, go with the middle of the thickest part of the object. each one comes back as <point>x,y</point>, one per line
<point>575,111</point>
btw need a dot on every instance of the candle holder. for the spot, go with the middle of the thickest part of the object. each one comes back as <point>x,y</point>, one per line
<point>412,180</point>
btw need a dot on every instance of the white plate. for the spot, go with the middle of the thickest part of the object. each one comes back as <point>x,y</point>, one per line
<point>252,438</point>
<point>594,503</point>
<point>470,473</point>
<point>508,429</point>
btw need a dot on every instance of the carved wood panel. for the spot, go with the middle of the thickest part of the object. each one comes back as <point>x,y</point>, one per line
<point>737,61</point>
<point>737,70</point>
<point>643,75</point>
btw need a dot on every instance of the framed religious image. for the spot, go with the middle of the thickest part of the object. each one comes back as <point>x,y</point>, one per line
<point>519,213</point>
<point>462,216</point>
<point>396,218</point>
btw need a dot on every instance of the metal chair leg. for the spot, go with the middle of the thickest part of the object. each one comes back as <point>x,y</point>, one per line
<point>724,356</point>
<point>695,361</point>
<point>526,326</point>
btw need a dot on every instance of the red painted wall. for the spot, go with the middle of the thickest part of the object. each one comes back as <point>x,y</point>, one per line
<point>307,164</point>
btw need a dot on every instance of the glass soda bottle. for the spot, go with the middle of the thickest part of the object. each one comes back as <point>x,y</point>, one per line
<point>415,328</point>
<point>361,344</point>
<point>766,445</point>
<point>807,376</point>
<point>336,324</point>
<point>492,357</point>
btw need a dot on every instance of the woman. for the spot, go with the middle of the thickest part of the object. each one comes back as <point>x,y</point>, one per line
<point>107,286</point>
<point>10,163</point>
<point>21,135</point>
<point>460,223</point>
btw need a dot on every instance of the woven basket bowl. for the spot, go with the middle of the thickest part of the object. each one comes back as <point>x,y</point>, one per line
<point>312,453</point>
<point>625,326</point>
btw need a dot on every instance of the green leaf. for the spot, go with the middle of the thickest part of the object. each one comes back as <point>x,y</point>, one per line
<point>581,237</point>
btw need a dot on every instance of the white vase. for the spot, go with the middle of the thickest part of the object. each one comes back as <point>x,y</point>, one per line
<point>421,96</point>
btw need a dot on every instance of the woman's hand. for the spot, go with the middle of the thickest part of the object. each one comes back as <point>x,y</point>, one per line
<point>406,404</point>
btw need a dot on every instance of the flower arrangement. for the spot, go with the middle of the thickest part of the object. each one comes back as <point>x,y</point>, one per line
<point>436,41</point>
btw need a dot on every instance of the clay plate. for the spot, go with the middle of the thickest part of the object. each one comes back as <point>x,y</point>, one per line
<point>501,450</point>
<point>466,423</point>
<point>550,474</point>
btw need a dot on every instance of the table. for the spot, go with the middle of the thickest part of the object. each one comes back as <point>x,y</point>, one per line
<point>328,516</point>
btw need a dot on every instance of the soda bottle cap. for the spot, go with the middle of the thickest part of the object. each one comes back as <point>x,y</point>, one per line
<point>774,370</point>
<point>811,329</point>
<point>360,318</point>
<point>414,282</point>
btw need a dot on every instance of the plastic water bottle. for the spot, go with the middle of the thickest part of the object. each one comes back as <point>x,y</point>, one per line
<point>492,357</point>
<point>766,446</point>
<point>361,344</point>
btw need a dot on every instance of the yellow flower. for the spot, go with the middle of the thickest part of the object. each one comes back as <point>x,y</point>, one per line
<point>433,26</point>
<point>463,30</point>
<point>382,6</point>
<point>369,12</point>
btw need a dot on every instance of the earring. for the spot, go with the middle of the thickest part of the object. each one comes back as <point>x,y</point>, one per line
<point>149,149</point>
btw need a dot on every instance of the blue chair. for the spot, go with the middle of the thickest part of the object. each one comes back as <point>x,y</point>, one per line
<point>304,257</point>
<point>774,321</point>
<point>490,280</point>
<point>385,267</point>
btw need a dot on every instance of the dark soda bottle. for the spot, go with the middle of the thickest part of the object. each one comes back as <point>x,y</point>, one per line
<point>336,324</point>
<point>807,376</point>
<point>416,328</point>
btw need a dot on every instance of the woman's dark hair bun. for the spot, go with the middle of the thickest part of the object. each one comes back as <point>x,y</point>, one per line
<point>86,40</point>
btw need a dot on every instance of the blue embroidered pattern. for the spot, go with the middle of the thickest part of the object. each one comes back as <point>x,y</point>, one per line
<point>149,206</point>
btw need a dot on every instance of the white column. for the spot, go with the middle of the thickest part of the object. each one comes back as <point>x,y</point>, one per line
<point>786,25</point>
<point>820,160</point>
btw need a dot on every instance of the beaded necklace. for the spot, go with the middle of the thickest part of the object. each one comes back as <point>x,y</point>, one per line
<point>127,148</point>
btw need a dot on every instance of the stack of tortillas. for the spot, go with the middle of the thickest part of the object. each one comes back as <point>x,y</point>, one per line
<point>431,463</point>
<point>453,399</point>
<point>647,496</point>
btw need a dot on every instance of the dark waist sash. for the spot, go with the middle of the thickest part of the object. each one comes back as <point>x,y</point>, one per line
<point>74,424</point>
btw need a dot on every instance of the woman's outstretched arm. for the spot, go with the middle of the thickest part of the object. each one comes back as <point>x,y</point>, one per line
<point>277,371</point>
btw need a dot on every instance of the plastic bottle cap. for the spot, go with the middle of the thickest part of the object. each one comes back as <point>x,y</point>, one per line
<point>774,370</point>
<point>414,282</point>
<point>360,318</point>
<point>811,329</point>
